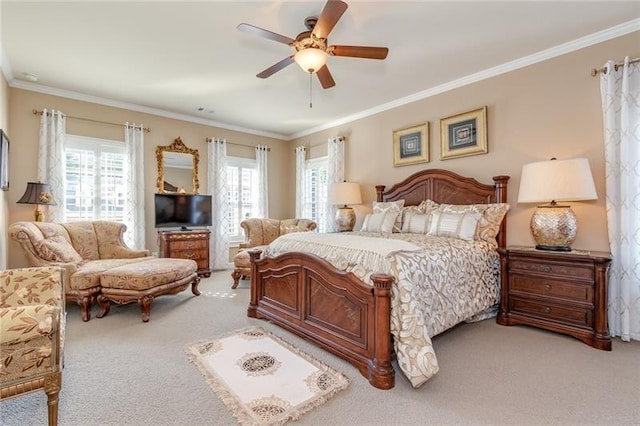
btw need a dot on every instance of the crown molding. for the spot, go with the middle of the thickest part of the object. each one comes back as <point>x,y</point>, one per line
<point>34,87</point>
<point>562,49</point>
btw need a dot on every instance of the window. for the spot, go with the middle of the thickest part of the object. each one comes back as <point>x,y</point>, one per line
<point>95,181</point>
<point>242,181</point>
<point>315,202</point>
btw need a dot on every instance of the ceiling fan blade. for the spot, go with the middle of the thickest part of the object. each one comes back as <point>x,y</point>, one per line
<point>250,29</point>
<point>326,80</point>
<point>276,67</point>
<point>330,15</point>
<point>368,52</point>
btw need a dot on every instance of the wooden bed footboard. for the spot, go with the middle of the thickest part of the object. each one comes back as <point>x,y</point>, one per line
<point>308,296</point>
<point>337,311</point>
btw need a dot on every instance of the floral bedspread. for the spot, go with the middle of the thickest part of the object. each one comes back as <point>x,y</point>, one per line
<point>440,282</point>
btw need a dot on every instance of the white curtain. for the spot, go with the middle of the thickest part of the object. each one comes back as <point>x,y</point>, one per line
<point>51,161</point>
<point>134,206</point>
<point>218,188</point>
<point>335,174</point>
<point>620,90</point>
<point>301,180</point>
<point>263,181</point>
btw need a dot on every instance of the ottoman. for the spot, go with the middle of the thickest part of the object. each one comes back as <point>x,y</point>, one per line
<point>143,281</point>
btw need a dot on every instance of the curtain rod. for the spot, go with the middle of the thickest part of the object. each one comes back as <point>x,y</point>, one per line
<point>603,70</point>
<point>146,129</point>
<point>236,144</point>
<point>309,145</point>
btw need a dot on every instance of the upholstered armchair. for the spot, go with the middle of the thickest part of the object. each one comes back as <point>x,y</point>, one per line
<point>259,233</point>
<point>32,321</point>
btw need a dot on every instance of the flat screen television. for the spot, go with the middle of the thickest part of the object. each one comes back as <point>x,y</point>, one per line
<point>182,210</point>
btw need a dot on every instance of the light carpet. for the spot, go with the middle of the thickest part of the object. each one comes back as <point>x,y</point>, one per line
<point>263,379</point>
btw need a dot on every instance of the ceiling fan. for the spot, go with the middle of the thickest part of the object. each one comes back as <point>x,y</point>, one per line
<point>312,47</point>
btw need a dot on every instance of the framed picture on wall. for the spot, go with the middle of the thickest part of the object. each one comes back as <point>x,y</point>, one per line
<point>464,134</point>
<point>4,161</point>
<point>411,145</point>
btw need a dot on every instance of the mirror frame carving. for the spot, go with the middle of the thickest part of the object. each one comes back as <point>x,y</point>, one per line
<point>176,146</point>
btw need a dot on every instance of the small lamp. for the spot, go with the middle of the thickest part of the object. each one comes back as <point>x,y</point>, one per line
<point>342,194</point>
<point>554,226</point>
<point>37,193</point>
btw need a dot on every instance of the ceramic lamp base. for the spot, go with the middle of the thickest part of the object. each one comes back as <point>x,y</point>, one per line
<point>345,219</point>
<point>554,227</point>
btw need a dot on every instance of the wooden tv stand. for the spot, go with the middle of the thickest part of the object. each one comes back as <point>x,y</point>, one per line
<point>192,244</point>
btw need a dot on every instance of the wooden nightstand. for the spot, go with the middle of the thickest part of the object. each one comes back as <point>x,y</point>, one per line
<point>192,245</point>
<point>564,292</point>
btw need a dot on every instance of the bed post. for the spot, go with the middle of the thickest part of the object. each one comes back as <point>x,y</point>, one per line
<point>252,312</point>
<point>381,373</point>
<point>501,197</point>
<point>379,190</point>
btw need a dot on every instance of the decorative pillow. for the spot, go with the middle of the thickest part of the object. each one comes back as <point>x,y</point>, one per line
<point>490,217</point>
<point>57,249</point>
<point>391,206</point>
<point>379,222</point>
<point>416,223</point>
<point>454,225</point>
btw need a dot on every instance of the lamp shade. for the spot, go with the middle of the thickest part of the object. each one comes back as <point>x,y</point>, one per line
<point>344,193</point>
<point>557,180</point>
<point>311,59</point>
<point>37,193</point>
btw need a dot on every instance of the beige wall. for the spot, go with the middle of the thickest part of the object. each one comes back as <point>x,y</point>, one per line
<point>24,148</point>
<point>541,111</point>
<point>4,205</point>
<point>550,109</point>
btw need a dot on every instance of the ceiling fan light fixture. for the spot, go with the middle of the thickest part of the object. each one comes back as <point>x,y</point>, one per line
<point>311,59</point>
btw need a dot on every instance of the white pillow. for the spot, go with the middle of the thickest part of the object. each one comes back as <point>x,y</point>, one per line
<point>391,206</point>
<point>454,225</point>
<point>379,222</point>
<point>416,223</point>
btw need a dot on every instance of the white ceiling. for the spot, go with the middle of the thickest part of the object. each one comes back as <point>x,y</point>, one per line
<point>176,57</point>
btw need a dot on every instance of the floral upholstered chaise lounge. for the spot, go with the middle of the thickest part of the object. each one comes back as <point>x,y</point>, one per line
<point>98,263</point>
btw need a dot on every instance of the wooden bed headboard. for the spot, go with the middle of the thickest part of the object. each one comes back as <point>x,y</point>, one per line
<point>443,186</point>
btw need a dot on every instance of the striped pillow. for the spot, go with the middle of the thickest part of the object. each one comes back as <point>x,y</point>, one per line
<point>416,223</point>
<point>391,206</point>
<point>454,225</point>
<point>379,222</point>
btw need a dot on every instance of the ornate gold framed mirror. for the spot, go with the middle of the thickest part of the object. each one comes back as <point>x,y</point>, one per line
<point>177,168</point>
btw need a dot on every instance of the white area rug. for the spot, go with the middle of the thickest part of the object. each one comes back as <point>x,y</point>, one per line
<point>262,379</point>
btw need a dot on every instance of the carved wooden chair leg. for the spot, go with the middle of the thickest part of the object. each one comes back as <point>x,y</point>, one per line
<point>52,385</point>
<point>85,307</point>
<point>105,306</point>
<point>194,286</point>
<point>236,278</point>
<point>145,306</point>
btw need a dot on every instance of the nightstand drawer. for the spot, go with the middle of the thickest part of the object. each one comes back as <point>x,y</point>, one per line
<point>561,269</point>
<point>579,292</point>
<point>581,317</point>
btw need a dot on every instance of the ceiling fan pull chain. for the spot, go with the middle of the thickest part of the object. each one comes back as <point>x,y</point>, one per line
<point>310,94</point>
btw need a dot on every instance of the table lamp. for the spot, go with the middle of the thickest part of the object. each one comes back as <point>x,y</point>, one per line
<point>37,193</point>
<point>344,193</point>
<point>554,227</point>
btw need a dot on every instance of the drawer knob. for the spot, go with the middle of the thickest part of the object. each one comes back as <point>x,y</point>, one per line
<point>547,287</point>
<point>547,309</point>
<point>546,268</point>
